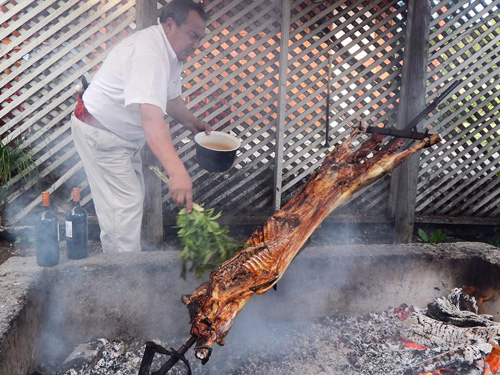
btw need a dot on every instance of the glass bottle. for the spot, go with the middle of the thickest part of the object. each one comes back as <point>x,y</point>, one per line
<point>77,229</point>
<point>47,235</point>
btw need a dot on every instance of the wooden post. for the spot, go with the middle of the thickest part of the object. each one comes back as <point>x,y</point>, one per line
<point>280,121</point>
<point>152,221</point>
<point>146,13</point>
<point>403,189</point>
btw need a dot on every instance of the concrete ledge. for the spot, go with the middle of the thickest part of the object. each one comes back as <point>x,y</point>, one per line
<point>21,298</point>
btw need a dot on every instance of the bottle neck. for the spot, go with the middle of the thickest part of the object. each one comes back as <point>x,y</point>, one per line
<point>45,199</point>
<point>76,196</point>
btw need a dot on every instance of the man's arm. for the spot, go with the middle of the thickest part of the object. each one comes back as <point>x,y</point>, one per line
<point>157,135</point>
<point>177,109</point>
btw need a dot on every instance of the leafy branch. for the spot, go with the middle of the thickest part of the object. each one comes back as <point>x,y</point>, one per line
<point>206,243</point>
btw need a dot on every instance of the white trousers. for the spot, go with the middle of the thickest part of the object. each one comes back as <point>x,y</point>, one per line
<point>114,170</point>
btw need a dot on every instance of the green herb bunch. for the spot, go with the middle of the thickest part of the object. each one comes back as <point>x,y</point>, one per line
<point>206,243</point>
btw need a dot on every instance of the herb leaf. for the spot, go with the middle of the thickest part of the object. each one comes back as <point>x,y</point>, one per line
<point>206,243</point>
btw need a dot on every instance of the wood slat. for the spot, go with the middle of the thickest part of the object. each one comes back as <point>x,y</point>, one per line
<point>466,144</point>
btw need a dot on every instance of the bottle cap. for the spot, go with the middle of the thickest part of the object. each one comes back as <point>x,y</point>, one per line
<point>45,199</point>
<point>76,195</point>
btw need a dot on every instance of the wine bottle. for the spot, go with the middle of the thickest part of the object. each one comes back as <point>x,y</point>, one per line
<point>47,235</point>
<point>77,229</point>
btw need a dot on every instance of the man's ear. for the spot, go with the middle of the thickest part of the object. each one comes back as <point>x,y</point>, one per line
<point>169,23</point>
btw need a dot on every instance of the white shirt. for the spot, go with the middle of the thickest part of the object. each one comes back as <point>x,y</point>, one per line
<point>142,68</point>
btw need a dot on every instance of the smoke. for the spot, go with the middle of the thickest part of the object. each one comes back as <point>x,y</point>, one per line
<point>138,296</point>
<point>128,295</point>
<point>269,323</point>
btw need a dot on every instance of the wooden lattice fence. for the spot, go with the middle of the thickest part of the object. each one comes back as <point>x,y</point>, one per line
<point>365,39</point>
<point>460,178</point>
<point>268,84</point>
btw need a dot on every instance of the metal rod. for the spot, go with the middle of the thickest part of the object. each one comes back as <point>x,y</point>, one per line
<point>147,358</point>
<point>286,14</point>
<point>328,93</point>
<point>414,122</point>
<point>173,360</point>
<point>397,132</point>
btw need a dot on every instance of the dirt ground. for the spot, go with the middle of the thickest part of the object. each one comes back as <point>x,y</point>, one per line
<point>8,249</point>
<point>12,245</point>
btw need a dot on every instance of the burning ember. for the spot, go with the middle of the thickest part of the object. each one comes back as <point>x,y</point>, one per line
<point>412,345</point>
<point>481,296</point>
<point>467,340</point>
<point>492,362</point>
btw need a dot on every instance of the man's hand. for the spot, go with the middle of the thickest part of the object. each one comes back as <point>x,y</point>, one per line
<point>177,109</point>
<point>202,126</point>
<point>180,189</point>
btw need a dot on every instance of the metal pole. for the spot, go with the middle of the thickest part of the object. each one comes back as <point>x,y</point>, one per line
<point>152,223</point>
<point>174,359</point>
<point>328,94</point>
<point>280,121</point>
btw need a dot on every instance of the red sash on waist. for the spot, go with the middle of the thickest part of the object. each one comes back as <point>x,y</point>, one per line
<point>82,114</point>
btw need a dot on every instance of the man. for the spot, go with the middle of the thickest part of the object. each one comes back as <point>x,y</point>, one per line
<point>124,106</point>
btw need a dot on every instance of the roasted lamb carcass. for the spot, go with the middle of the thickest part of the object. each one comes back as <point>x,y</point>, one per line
<point>215,304</point>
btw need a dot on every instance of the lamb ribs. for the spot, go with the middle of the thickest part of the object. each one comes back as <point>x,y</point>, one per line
<point>215,304</point>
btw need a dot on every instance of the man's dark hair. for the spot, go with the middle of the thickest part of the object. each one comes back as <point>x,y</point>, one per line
<point>178,10</point>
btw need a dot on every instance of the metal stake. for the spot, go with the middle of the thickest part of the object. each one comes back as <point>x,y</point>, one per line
<point>175,356</point>
<point>328,93</point>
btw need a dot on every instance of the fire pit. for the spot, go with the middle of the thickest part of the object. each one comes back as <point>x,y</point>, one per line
<point>45,313</point>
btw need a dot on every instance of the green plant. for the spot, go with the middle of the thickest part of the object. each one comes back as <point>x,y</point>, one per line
<point>14,160</point>
<point>206,243</point>
<point>495,238</point>
<point>437,236</point>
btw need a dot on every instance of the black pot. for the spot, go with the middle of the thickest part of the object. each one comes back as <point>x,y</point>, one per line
<point>216,152</point>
